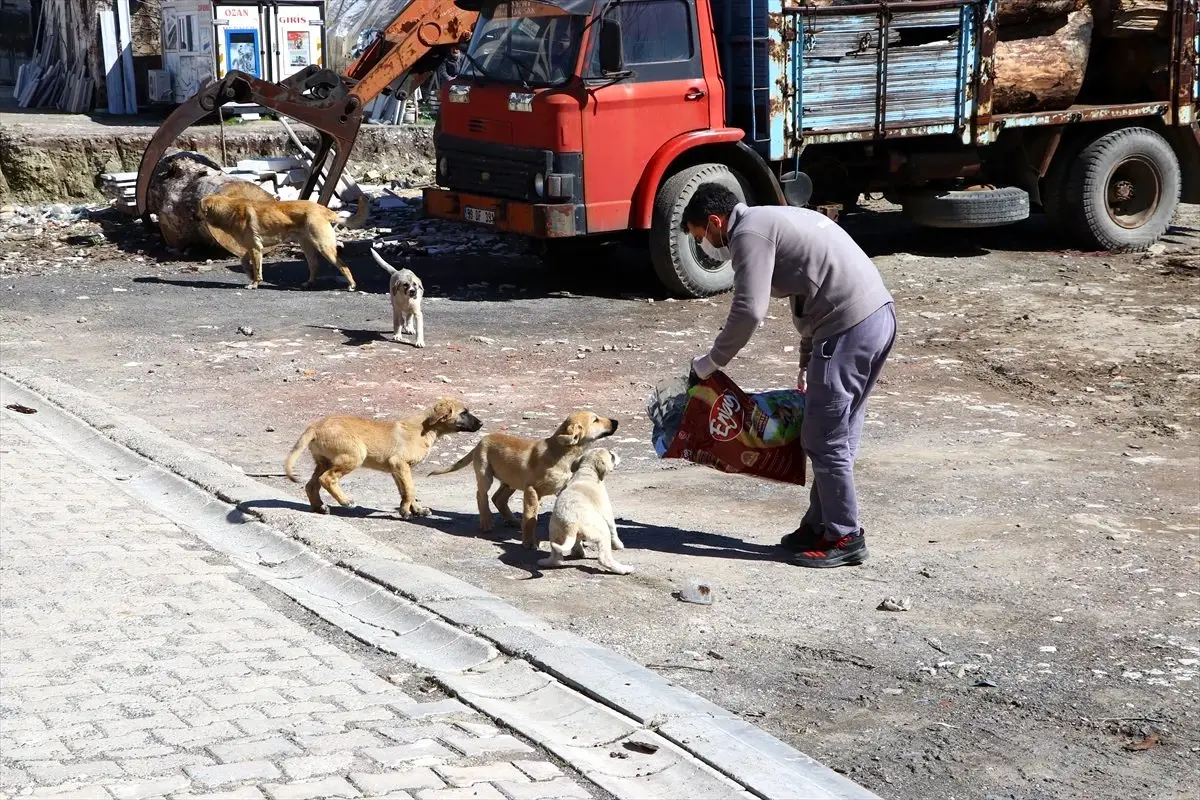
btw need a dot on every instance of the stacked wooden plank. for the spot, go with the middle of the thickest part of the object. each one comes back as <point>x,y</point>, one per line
<point>57,76</point>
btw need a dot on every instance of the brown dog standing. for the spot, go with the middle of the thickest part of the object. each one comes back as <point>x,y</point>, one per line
<point>536,468</point>
<point>342,444</point>
<point>257,224</point>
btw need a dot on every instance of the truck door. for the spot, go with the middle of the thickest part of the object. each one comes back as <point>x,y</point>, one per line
<point>625,121</point>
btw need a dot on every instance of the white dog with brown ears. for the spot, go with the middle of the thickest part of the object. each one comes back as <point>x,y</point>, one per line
<point>583,511</point>
<point>406,292</point>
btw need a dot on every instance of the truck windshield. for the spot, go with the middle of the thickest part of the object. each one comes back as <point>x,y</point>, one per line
<point>524,41</point>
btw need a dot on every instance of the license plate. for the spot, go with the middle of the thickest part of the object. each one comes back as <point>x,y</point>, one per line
<point>485,216</point>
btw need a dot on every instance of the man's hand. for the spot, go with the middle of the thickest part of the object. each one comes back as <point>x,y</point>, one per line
<point>802,373</point>
<point>702,369</point>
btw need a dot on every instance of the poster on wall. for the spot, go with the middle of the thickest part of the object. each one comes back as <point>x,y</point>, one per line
<point>241,51</point>
<point>298,48</point>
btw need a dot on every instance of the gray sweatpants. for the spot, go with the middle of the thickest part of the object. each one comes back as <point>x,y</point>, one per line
<point>841,374</point>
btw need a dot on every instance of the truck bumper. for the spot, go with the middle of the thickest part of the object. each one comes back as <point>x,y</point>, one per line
<point>538,220</point>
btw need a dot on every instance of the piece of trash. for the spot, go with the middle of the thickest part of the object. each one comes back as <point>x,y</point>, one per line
<point>618,754</point>
<point>716,655</point>
<point>1144,744</point>
<point>20,409</point>
<point>641,747</point>
<point>245,330</point>
<point>1048,649</point>
<point>483,340</point>
<point>985,682</point>
<point>696,592</point>
<point>892,604</point>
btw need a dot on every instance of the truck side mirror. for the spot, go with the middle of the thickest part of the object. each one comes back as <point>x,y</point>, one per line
<point>612,56</point>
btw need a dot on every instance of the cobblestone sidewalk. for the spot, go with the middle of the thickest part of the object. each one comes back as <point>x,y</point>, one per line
<point>132,666</point>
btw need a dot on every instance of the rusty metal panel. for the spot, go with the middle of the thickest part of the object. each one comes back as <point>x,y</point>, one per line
<point>880,71</point>
<point>1081,113</point>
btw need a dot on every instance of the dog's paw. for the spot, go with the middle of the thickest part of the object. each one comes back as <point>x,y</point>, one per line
<point>415,511</point>
<point>621,569</point>
<point>419,343</point>
<point>617,544</point>
<point>321,510</point>
<point>512,522</point>
<point>550,561</point>
<point>252,285</point>
<point>352,287</point>
<point>348,504</point>
<point>398,337</point>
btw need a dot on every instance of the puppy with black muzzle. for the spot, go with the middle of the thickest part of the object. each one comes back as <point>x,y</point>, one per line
<point>406,292</point>
<point>582,511</point>
<point>341,444</point>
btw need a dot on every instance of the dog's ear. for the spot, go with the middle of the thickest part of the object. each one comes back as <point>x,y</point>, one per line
<point>571,434</point>
<point>444,410</point>
<point>576,464</point>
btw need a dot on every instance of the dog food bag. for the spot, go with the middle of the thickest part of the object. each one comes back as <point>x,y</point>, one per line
<point>718,425</point>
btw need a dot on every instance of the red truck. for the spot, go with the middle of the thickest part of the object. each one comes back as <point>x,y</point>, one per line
<point>599,118</point>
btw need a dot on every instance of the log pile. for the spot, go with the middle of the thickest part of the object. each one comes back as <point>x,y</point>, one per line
<point>1044,48</point>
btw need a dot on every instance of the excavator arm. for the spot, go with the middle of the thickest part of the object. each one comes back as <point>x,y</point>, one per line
<point>418,38</point>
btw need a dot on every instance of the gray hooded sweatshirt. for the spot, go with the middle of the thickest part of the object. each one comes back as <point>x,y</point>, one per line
<point>780,251</point>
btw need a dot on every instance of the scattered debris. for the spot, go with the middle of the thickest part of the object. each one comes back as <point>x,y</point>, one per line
<point>696,592</point>
<point>641,747</point>
<point>20,409</point>
<point>892,604</point>
<point>716,655</point>
<point>483,340</point>
<point>695,667</point>
<point>1145,744</point>
<point>985,683</point>
<point>245,330</point>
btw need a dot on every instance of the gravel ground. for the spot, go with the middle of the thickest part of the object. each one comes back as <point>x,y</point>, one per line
<point>1030,476</point>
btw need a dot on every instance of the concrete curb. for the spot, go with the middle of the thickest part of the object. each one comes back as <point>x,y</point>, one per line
<point>451,627</point>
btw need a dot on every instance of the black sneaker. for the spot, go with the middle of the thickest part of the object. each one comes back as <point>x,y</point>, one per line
<point>806,537</point>
<point>845,552</point>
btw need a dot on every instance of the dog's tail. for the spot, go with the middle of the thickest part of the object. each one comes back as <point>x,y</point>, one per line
<point>457,465</point>
<point>379,260</point>
<point>289,463</point>
<point>360,215</point>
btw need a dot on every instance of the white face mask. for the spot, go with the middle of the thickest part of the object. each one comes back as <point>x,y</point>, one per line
<point>709,249</point>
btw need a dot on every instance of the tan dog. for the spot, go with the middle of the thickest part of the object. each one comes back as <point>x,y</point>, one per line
<point>406,291</point>
<point>258,224</point>
<point>340,445</point>
<point>583,511</point>
<point>536,468</point>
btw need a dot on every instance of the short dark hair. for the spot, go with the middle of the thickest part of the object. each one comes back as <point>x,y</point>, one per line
<point>709,199</point>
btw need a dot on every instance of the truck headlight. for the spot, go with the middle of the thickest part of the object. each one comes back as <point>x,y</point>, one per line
<point>539,184</point>
<point>520,101</point>
<point>460,93</point>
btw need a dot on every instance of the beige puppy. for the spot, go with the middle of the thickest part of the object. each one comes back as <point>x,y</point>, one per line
<point>406,292</point>
<point>256,224</point>
<point>583,511</point>
<point>536,468</point>
<point>340,445</point>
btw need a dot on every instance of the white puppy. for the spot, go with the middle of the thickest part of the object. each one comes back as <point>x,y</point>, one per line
<point>583,511</point>
<point>406,291</point>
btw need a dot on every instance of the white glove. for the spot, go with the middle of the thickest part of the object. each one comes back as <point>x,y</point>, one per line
<point>704,367</point>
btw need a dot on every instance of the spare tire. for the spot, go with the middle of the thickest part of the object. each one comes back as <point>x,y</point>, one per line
<point>968,208</point>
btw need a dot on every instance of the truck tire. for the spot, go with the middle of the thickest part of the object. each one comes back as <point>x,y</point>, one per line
<point>1123,190</point>
<point>971,208</point>
<point>678,261</point>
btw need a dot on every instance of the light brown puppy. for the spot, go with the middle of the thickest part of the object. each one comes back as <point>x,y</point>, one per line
<point>258,224</point>
<point>536,468</point>
<point>583,511</point>
<point>340,445</point>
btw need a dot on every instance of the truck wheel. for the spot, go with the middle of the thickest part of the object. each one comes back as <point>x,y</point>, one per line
<point>970,208</point>
<point>1124,189</point>
<point>680,264</point>
<point>1054,191</point>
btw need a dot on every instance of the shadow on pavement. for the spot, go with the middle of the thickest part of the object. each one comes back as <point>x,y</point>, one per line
<point>667,539</point>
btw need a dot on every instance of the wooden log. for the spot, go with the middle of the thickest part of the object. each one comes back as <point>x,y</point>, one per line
<point>1040,67</point>
<point>1131,18</point>
<point>179,182</point>
<point>1021,12</point>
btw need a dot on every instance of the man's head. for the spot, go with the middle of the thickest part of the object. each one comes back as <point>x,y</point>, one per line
<point>706,215</point>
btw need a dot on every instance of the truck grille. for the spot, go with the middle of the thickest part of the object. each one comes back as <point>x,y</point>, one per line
<point>491,169</point>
